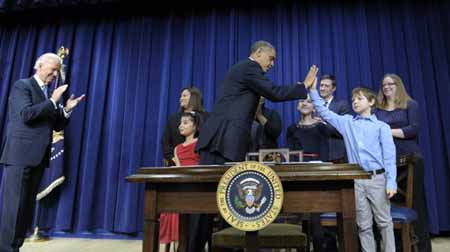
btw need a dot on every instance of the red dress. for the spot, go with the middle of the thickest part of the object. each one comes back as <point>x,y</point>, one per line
<point>168,222</point>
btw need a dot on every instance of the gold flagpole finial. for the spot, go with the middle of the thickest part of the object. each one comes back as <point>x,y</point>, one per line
<point>63,52</point>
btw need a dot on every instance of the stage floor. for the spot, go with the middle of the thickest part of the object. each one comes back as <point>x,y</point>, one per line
<point>440,244</point>
<point>83,245</point>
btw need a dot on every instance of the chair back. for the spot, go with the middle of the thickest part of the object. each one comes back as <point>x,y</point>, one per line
<point>405,178</point>
<point>403,216</point>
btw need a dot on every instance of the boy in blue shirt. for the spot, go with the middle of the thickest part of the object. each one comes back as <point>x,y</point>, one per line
<point>369,143</point>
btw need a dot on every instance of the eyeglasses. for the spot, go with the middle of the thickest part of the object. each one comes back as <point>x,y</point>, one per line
<point>389,84</point>
<point>303,100</point>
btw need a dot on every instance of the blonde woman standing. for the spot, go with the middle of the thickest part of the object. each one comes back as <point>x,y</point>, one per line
<point>401,113</point>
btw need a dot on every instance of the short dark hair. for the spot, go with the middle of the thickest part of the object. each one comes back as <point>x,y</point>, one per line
<point>366,92</point>
<point>196,99</point>
<point>329,77</point>
<point>261,44</point>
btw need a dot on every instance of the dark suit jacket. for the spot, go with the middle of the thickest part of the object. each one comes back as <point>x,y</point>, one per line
<point>336,146</point>
<point>32,118</point>
<point>227,130</point>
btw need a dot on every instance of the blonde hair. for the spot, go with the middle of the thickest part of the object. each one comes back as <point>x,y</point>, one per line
<point>401,96</point>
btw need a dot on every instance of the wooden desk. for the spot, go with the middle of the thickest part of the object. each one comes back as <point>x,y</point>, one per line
<point>307,188</point>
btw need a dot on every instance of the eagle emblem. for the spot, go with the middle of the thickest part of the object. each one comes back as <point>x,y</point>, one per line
<point>250,192</point>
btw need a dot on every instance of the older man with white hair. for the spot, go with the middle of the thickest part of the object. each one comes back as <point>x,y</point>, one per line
<point>33,115</point>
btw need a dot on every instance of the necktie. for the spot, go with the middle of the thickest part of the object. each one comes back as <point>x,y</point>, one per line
<point>44,89</point>
<point>326,104</point>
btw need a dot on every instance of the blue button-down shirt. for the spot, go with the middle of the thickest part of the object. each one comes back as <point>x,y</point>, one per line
<point>368,141</point>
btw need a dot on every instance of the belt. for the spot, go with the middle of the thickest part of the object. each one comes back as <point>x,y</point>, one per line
<point>378,171</point>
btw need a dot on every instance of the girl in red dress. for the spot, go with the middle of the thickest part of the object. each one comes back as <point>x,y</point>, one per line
<point>184,154</point>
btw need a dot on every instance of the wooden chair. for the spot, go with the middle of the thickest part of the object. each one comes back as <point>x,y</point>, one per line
<point>275,235</point>
<point>401,208</point>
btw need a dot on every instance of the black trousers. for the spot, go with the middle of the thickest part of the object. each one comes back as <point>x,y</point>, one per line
<point>200,225</point>
<point>324,239</point>
<point>419,205</point>
<point>19,188</point>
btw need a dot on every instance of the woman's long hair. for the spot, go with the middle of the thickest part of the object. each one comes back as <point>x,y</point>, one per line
<point>196,99</point>
<point>401,96</point>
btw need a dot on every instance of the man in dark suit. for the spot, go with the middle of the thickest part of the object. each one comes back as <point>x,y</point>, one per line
<point>225,136</point>
<point>336,146</point>
<point>33,115</point>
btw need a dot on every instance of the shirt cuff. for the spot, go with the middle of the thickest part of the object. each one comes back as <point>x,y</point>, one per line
<point>391,184</point>
<point>54,103</point>
<point>66,114</point>
<point>314,94</point>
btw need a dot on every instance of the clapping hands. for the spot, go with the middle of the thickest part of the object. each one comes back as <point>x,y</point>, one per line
<point>72,102</point>
<point>57,93</point>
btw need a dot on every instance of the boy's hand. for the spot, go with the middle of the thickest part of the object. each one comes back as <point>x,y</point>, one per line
<point>390,193</point>
<point>314,85</point>
<point>311,76</point>
<point>318,119</point>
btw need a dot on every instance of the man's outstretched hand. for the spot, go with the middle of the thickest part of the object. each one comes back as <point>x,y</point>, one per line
<point>72,102</point>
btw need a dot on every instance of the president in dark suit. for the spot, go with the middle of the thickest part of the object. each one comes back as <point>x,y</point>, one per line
<point>336,146</point>
<point>33,115</point>
<point>225,136</point>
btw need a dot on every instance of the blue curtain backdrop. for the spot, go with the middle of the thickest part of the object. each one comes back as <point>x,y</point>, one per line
<point>132,64</point>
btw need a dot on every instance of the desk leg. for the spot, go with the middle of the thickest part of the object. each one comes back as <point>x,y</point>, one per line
<point>347,230</point>
<point>151,224</point>
<point>183,229</point>
<point>251,241</point>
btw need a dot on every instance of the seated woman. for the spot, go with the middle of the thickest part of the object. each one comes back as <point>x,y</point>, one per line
<point>308,134</point>
<point>396,108</point>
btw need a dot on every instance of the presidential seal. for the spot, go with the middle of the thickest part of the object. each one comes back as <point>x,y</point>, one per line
<point>249,196</point>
